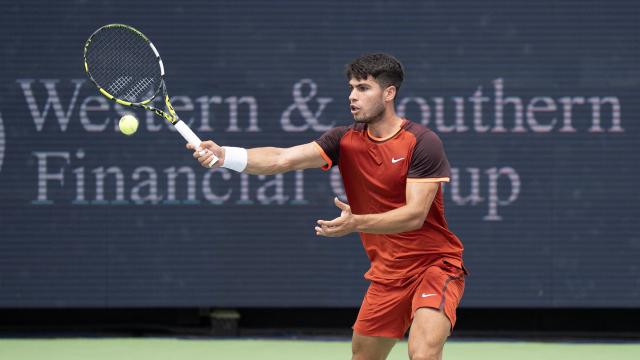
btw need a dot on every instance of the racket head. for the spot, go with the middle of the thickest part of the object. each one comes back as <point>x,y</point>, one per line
<point>124,64</point>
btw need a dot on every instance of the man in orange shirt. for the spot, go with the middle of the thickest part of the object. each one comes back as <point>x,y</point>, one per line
<point>392,169</point>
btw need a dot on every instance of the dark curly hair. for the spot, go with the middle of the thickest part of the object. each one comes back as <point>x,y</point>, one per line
<point>384,68</point>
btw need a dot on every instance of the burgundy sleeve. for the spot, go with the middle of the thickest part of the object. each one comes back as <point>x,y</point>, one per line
<point>329,145</point>
<point>429,162</point>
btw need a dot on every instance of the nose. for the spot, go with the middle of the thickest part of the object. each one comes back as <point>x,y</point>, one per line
<point>352,96</point>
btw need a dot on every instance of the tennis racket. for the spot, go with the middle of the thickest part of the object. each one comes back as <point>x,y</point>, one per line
<point>126,68</point>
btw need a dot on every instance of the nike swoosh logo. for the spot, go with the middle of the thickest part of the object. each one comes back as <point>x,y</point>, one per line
<point>427,295</point>
<point>394,160</point>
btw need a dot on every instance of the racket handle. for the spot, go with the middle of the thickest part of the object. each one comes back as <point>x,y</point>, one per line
<point>190,136</point>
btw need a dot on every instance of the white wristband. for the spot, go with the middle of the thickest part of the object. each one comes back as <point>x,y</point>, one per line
<point>235,158</point>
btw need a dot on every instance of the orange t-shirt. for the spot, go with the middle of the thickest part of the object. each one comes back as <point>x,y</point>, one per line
<point>375,173</point>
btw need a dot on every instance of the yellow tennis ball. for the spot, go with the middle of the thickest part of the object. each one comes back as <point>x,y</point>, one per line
<point>128,124</point>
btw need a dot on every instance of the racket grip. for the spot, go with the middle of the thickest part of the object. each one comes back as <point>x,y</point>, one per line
<point>190,136</point>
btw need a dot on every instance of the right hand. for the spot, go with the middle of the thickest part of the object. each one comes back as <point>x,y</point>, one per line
<point>204,154</point>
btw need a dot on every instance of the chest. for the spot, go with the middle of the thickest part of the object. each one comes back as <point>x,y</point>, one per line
<point>381,168</point>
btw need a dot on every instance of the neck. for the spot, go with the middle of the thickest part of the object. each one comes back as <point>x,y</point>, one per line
<point>386,126</point>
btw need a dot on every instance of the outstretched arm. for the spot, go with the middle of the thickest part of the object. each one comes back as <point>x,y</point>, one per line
<point>264,160</point>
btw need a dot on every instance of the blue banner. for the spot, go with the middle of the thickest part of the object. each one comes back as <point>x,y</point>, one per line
<point>536,102</point>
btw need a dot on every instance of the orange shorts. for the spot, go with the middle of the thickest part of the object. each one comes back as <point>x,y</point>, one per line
<point>388,310</point>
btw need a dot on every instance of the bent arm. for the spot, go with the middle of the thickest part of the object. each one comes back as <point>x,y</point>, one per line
<point>419,197</point>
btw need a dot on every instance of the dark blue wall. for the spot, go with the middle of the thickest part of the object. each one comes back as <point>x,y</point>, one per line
<point>537,103</point>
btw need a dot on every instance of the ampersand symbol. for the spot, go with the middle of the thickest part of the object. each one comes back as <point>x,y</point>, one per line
<point>300,104</point>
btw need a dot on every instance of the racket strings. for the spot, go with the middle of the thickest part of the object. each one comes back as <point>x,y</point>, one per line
<point>119,84</point>
<point>141,88</point>
<point>122,62</point>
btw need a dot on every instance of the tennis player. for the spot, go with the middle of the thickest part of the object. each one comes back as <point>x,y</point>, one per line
<point>392,171</point>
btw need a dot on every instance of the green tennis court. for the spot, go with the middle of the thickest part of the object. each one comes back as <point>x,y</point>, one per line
<point>178,349</point>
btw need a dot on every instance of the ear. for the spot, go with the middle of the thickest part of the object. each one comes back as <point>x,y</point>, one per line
<point>390,93</point>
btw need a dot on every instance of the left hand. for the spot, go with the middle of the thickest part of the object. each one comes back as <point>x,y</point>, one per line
<point>340,226</point>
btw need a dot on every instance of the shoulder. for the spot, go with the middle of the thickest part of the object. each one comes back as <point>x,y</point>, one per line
<point>424,135</point>
<point>337,133</point>
<point>330,140</point>
<point>429,160</point>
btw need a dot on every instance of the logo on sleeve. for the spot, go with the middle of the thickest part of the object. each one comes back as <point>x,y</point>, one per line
<point>394,160</point>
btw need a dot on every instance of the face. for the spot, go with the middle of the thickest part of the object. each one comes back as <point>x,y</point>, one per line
<point>366,100</point>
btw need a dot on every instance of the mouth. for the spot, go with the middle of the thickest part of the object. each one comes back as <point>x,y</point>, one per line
<point>354,109</point>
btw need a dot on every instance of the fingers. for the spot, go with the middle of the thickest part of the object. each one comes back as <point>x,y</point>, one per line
<point>335,222</point>
<point>341,205</point>
<point>208,144</point>
<point>205,153</point>
<point>339,226</point>
<point>208,160</point>
<point>331,228</point>
<point>198,153</point>
<point>324,232</point>
<point>198,150</point>
<point>330,231</point>
<point>205,158</point>
<point>213,161</point>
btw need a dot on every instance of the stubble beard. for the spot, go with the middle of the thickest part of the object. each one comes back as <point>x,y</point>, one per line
<point>377,113</point>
